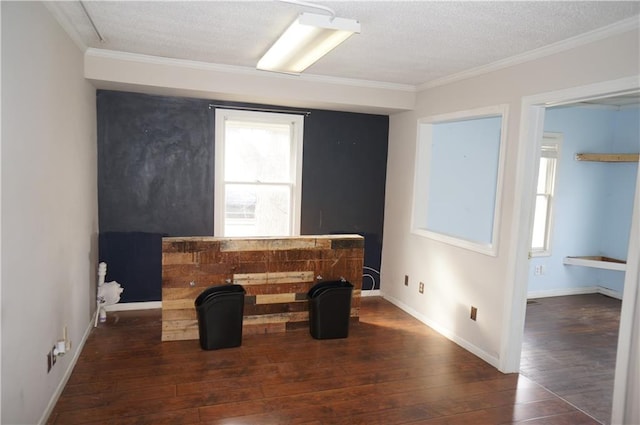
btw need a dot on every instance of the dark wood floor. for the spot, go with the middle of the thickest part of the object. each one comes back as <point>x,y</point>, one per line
<point>570,348</point>
<point>391,370</point>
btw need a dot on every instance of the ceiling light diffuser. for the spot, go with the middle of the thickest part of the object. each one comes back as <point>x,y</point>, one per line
<point>308,38</point>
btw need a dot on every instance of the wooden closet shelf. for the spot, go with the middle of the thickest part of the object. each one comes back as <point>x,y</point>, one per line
<point>597,262</point>
<point>607,157</point>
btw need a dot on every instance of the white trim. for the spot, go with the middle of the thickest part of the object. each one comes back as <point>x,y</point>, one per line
<point>370,293</point>
<point>1,209</point>
<point>218,186</point>
<point>486,249</point>
<point>625,387</point>
<point>619,27</point>
<point>584,105</point>
<point>65,378</point>
<point>514,309</point>
<point>562,292</point>
<point>243,70</point>
<point>447,333</point>
<point>421,178</point>
<point>146,305</point>
<point>579,94</point>
<point>609,292</point>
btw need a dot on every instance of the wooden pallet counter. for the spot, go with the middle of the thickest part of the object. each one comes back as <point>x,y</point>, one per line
<point>276,274</point>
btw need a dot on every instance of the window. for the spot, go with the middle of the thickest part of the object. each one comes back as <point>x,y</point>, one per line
<point>543,210</point>
<point>458,178</point>
<point>258,173</point>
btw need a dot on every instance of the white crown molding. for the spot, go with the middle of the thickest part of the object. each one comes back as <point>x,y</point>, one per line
<point>66,25</point>
<point>243,70</point>
<point>619,27</point>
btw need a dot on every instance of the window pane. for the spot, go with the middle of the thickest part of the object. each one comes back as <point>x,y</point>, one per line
<point>257,152</point>
<point>540,223</point>
<point>540,239</point>
<point>257,184</point>
<point>542,175</point>
<point>550,180</point>
<point>257,210</point>
<point>240,203</point>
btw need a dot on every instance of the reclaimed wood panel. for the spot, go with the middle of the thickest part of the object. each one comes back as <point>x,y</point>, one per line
<point>270,244</point>
<point>276,274</point>
<point>246,279</point>
<point>276,298</point>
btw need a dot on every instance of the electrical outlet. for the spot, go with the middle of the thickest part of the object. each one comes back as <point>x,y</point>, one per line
<point>406,280</point>
<point>474,313</point>
<point>51,359</point>
<point>421,288</point>
<point>539,270</point>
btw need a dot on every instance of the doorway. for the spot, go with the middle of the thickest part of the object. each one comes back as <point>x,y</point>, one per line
<point>532,128</point>
<point>582,220</point>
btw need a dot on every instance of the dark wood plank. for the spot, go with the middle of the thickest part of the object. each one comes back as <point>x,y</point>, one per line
<point>570,348</point>
<point>391,369</point>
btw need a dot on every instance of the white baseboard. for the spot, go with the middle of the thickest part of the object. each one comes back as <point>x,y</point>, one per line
<point>492,360</point>
<point>370,293</point>
<point>609,292</point>
<point>147,305</point>
<point>575,291</point>
<point>561,292</point>
<point>66,376</point>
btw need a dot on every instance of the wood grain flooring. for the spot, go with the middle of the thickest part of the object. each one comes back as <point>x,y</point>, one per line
<point>570,348</point>
<point>392,369</point>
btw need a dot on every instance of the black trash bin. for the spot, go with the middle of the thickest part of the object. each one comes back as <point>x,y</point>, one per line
<point>330,309</point>
<point>220,310</point>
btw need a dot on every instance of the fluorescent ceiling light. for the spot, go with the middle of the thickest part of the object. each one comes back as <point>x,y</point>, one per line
<point>307,39</point>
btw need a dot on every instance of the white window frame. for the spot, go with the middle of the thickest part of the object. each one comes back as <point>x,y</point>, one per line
<point>421,178</point>
<point>296,123</point>
<point>549,148</point>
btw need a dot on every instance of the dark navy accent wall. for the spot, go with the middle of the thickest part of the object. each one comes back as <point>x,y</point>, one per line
<point>155,164</point>
<point>134,259</point>
<point>343,180</point>
<point>156,170</point>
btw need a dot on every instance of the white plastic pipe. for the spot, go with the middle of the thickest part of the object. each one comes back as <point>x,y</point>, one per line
<point>102,272</point>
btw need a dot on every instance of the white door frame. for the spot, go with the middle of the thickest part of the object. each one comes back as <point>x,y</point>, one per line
<point>531,131</point>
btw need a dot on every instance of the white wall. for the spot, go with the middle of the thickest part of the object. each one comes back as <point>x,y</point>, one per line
<point>454,278</point>
<point>49,206</point>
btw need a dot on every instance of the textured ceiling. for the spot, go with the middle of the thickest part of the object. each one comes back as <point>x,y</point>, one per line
<point>404,42</point>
